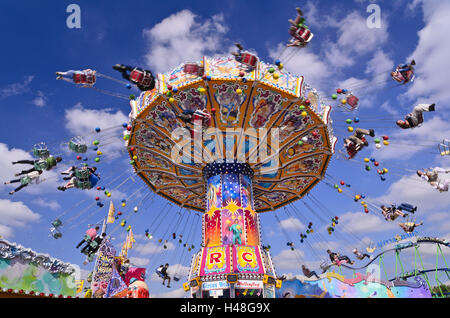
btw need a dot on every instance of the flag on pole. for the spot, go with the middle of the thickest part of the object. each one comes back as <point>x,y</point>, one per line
<point>111,213</point>
<point>124,251</point>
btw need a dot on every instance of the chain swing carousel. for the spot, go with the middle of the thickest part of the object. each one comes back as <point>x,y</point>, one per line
<point>266,142</point>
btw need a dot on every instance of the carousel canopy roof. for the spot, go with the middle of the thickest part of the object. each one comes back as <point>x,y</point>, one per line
<point>263,116</point>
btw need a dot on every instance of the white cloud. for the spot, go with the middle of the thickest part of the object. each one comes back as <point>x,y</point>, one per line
<point>416,191</point>
<point>40,100</point>
<point>176,293</point>
<point>305,63</point>
<point>17,88</point>
<point>354,39</point>
<point>15,215</point>
<point>288,259</point>
<point>81,121</point>
<point>152,248</point>
<point>139,261</point>
<point>431,55</point>
<point>406,143</point>
<point>51,204</point>
<point>358,222</point>
<point>332,245</point>
<point>355,36</point>
<point>379,65</point>
<point>182,37</point>
<point>292,224</point>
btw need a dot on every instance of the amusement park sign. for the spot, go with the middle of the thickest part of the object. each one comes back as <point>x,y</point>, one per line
<point>215,285</point>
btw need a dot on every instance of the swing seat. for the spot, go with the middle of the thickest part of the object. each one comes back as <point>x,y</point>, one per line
<point>87,238</point>
<point>55,233</point>
<point>93,244</point>
<point>82,174</point>
<point>444,147</point>
<point>249,59</point>
<point>350,151</point>
<point>25,180</point>
<point>176,278</point>
<point>303,34</point>
<point>56,223</point>
<point>193,69</point>
<point>83,185</point>
<point>78,147</point>
<point>87,78</point>
<point>352,101</point>
<point>398,77</point>
<point>143,78</point>
<point>159,274</point>
<point>82,179</point>
<point>41,153</point>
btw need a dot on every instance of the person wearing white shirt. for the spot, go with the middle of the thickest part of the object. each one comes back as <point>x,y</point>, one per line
<point>29,178</point>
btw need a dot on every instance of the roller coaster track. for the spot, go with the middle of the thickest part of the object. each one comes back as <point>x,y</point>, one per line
<point>402,246</point>
<point>411,274</point>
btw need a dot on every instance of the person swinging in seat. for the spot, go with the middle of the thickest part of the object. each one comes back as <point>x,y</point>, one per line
<point>404,73</point>
<point>85,78</point>
<point>249,60</point>
<point>162,272</point>
<point>357,141</point>
<point>415,118</point>
<point>84,178</point>
<point>301,35</point>
<point>143,79</point>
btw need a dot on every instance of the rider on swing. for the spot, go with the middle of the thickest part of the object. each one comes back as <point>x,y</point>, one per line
<point>143,79</point>
<point>357,141</point>
<point>405,71</point>
<point>85,78</point>
<point>300,33</point>
<point>87,182</point>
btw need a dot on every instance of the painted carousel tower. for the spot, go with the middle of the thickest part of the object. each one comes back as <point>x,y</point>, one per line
<point>232,262</point>
<point>266,142</point>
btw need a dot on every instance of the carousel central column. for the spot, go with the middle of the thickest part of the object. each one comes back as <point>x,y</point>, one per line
<point>231,238</point>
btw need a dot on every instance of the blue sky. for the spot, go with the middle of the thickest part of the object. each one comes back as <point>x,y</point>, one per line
<point>160,36</point>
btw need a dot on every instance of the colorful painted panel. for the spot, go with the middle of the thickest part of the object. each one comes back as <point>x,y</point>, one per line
<point>216,260</point>
<point>286,82</point>
<point>212,228</point>
<point>265,104</point>
<point>229,102</point>
<point>233,226</point>
<point>336,286</point>
<point>246,191</point>
<point>177,78</point>
<point>104,269</point>
<point>246,259</point>
<point>251,227</point>
<point>195,266</point>
<point>214,192</point>
<point>145,99</point>
<point>226,68</point>
<point>191,99</point>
